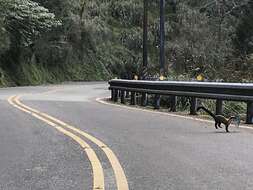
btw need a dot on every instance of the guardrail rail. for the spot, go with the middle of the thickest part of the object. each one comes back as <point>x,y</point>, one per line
<point>242,92</point>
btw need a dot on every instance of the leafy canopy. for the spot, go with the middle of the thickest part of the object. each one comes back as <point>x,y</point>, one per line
<point>26,19</point>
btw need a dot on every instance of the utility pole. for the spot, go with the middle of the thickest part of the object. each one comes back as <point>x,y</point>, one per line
<point>145,50</point>
<point>145,40</point>
<point>162,37</point>
<point>162,52</point>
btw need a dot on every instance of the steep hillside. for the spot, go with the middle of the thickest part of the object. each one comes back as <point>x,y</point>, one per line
<point>100,39</point>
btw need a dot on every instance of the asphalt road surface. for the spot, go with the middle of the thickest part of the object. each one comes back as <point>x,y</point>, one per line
<point>60,138</point>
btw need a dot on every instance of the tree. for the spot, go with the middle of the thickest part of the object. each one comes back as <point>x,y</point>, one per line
<point>4,39</point>
<point>22,22</point>
<point>244,40</point>
<point>101,38</point>
<point>25,19</point>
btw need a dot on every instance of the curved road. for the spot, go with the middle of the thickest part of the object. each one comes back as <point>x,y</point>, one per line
<point>111,147</point>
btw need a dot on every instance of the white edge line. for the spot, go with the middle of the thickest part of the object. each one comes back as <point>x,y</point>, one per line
<point>102,101</point>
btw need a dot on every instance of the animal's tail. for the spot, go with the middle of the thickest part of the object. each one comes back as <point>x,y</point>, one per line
<point>207,111</point>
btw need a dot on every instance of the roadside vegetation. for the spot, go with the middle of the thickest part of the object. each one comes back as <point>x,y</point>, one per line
<point>48,41</point>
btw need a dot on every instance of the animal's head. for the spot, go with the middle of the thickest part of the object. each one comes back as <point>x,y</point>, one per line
<point>231,119</point>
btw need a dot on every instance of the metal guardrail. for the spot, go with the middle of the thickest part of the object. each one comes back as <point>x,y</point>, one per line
<point>242,92</point>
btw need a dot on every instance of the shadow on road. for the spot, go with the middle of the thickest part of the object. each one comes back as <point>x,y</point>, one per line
<point>224,132</point>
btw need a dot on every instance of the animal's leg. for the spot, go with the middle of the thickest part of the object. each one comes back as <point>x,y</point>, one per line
<point>219,124</point>
<point>216,125</point>
<point>227,128</point>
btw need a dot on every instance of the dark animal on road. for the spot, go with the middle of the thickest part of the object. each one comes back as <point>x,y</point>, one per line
<point>219,119</point>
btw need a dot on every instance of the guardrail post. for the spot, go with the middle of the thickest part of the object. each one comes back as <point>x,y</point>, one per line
<point>133,98</point>
<point>157,101</point>
<point>127,94</point>
<point>143,99</point>
<point>219,107</point>
<point>194,105</point>
<point>249,119</point>
<point>115,95</point>
<point>173,103</point>
<point>122,97</point>
<point>112,94</point>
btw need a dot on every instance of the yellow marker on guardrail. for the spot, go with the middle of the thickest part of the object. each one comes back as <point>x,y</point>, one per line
<point>200,78</point>
<point>161,78</point>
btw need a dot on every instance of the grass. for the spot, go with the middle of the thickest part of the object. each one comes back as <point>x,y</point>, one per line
<point>28,74</point>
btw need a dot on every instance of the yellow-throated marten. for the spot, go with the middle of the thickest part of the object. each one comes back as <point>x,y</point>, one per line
<point>219,119</point>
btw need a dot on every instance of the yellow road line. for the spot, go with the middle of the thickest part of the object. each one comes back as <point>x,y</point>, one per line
<point>98,175</point>
<point>120,176</point>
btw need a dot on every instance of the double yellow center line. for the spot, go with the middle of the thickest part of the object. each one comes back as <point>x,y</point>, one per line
<point>70,131</point>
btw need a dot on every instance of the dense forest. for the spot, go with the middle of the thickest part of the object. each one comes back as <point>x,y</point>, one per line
<point>48,41</point>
